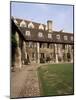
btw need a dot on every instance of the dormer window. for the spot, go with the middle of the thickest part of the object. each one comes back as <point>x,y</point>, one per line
<point>15,21</point>
<point>23,24</point>
<point>41,27</point>
<point>71,38</point>
<point>49,35</point>
<point>40,34</point>
<point>30,25</point>
<point>27,33</point>
<point>65,37</point>
<point>58,36</point>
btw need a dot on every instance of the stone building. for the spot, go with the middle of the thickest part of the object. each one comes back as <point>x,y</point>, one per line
<point>39,43</point>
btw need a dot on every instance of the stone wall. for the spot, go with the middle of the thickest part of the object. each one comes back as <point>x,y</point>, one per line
<point>34,51</point>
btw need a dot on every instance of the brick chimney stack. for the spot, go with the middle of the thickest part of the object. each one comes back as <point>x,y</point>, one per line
<point>49,25</point>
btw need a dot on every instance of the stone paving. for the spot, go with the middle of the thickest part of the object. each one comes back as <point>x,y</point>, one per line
<point>24,82</point>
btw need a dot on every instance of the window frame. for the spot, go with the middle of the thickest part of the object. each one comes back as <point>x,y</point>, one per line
<point>58,36</point>
<point>40,34</point>
<point>25,24</point>
<point>49,36</point>
<point>27,33</point>
<point>65,37</point>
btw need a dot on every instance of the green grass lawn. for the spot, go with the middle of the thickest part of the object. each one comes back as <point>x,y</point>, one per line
<point>56,79</point>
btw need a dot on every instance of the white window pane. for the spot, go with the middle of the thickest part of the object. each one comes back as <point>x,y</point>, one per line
<point>65,37</point>
<point>41,27</point>
<point>23,24</point>
<point>27,33</point>
<point>40,34</point>
<point>30,25</point>
<point>58,37</point>
<point>49,35</point>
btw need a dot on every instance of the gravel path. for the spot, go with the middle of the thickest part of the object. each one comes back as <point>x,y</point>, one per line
<point>24,83</point>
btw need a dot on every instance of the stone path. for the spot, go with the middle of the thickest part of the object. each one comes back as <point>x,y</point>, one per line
<point>24,83</point>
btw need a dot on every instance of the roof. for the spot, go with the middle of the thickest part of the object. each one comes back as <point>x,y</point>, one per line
<point>34,34</point>
<point>28,21</point>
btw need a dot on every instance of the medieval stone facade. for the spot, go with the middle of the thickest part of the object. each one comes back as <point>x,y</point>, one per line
<point>40,44</point>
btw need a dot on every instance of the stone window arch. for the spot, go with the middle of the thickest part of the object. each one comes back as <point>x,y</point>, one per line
<point>41,27</point>
<point>30,25</point>
<point>23,24</point>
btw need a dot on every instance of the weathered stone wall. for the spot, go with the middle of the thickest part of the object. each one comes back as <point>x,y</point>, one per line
<point>33,50</point>
<point>54,51</point>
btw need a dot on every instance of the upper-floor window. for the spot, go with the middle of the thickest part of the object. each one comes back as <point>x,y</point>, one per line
<point>58,36</point>
<point>49,35</point>
<point>27,33</point>
<point>65,37</point>
<point>40,34</point>
<point>71,38</point>
<point>30,25</point>
<point>41,27</point>
<point>23,24</point>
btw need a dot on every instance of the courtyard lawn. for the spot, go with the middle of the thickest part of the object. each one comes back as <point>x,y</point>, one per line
<point>56,79</point>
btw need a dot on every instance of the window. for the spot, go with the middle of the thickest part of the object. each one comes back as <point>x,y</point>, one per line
<point>41,27</point>
<point>49,35</point>
<point>23,24</point>
<point>40,34</point>
<point>71,38</point>
<point>58,36</point>
<point>63,46</point>
<point>30,25</point>
<point>41,45</point>
<point>65,38</point>
<point>48,45</point>
<point>27,33</point>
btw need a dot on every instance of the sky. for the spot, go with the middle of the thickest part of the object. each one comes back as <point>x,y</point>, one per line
<point>61,15</point>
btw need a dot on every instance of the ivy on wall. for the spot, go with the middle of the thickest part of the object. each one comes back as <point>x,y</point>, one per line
<point>13,40</point>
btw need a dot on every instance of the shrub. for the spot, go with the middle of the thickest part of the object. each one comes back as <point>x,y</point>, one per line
<point>13,40</point>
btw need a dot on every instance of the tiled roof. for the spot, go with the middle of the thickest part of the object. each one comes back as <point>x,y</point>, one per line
<point>28,21</point>
<point>34,34</point>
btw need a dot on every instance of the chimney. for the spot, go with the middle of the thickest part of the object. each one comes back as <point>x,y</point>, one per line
<point>49,25</point>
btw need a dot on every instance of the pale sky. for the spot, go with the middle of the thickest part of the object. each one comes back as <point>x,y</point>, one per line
<point>61,15</point>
